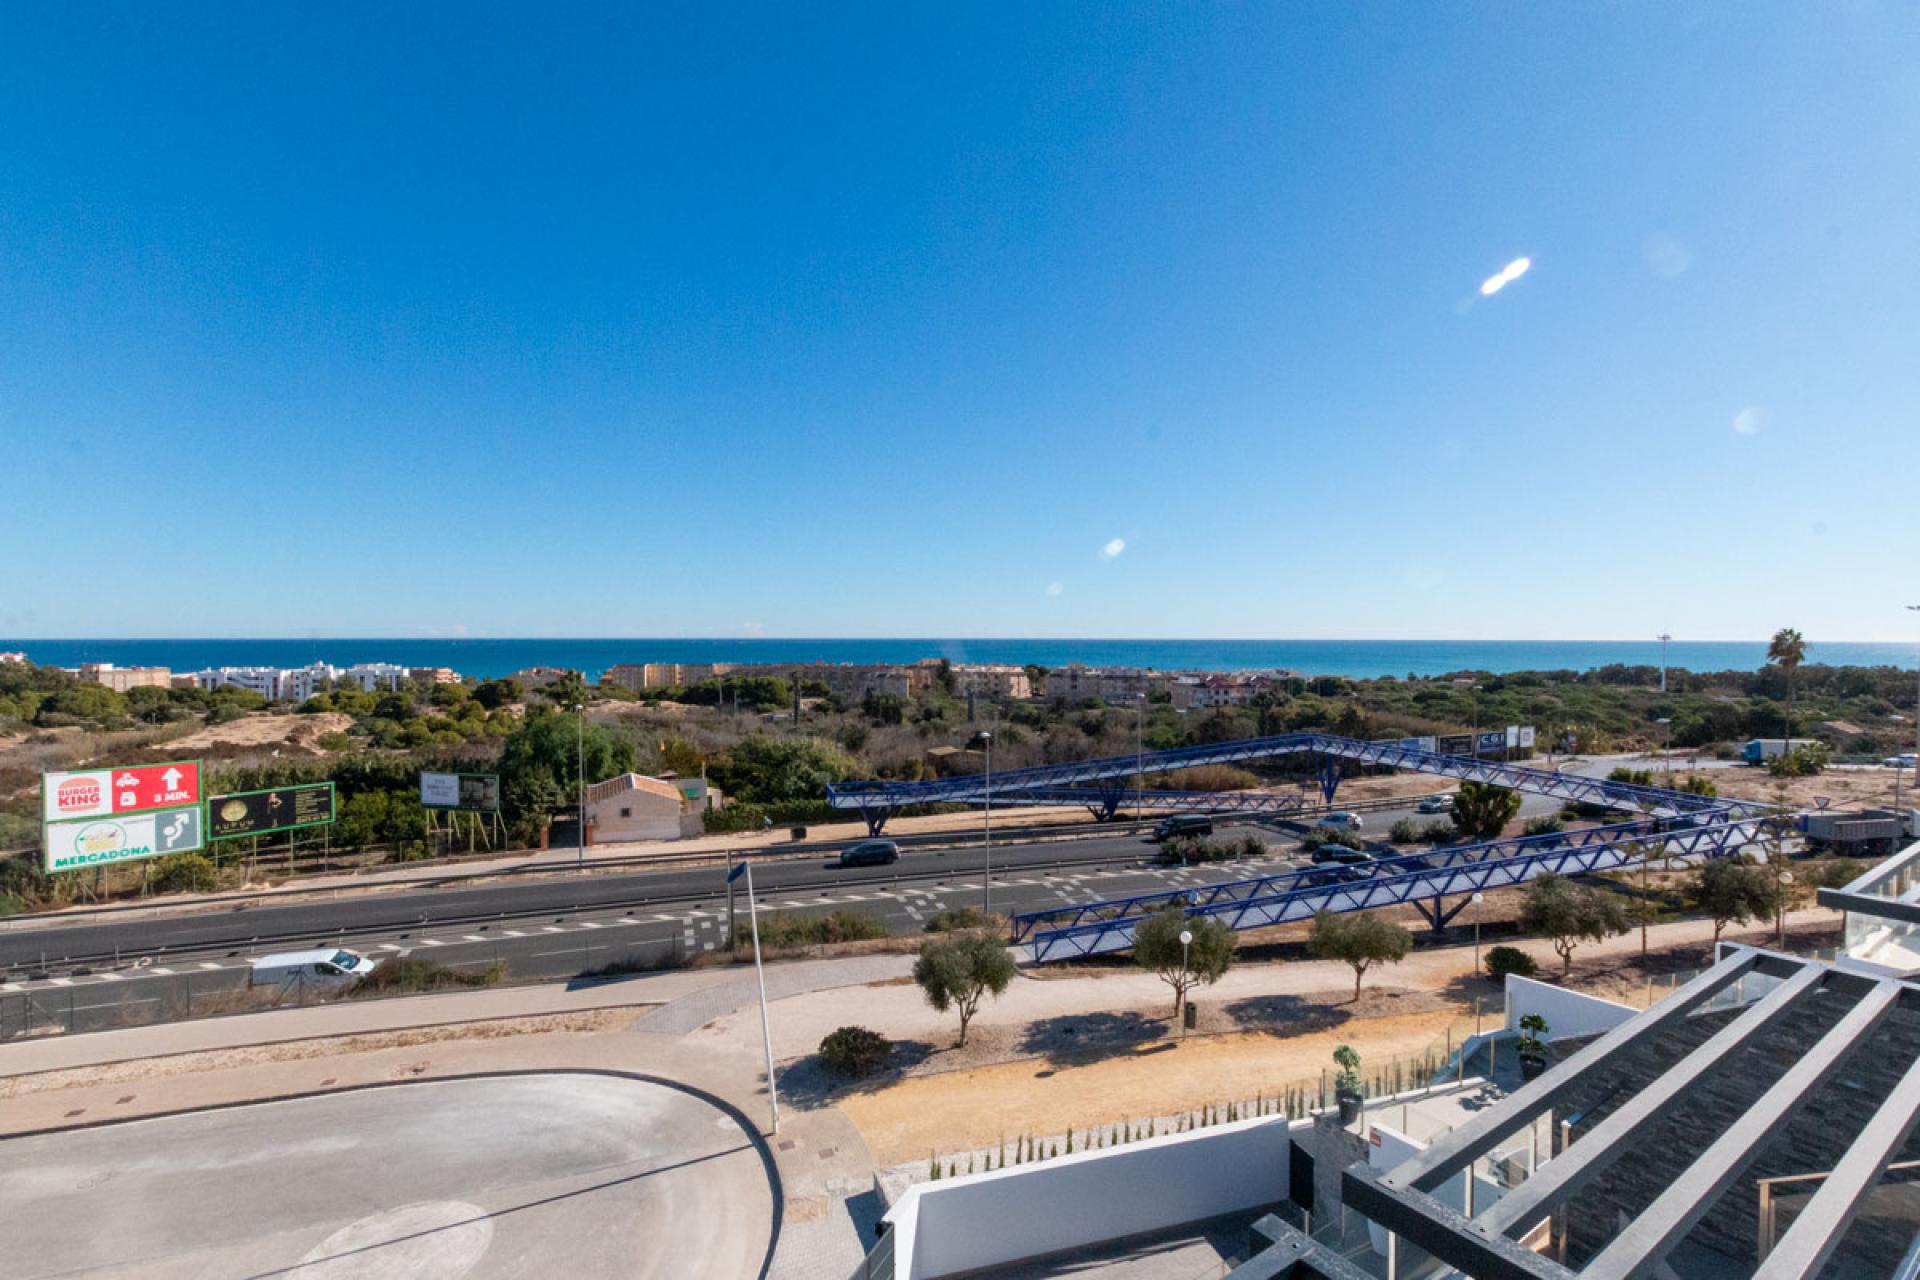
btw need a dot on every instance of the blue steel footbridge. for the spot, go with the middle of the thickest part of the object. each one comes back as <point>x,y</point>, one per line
<point>1670,824</point>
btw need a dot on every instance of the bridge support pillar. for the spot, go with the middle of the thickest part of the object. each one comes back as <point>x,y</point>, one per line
<point>876,819</point>
<point>1330,767</point>
<point>1437,914</point>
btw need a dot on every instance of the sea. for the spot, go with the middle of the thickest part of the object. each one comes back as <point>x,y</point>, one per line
<point>1361,659</point>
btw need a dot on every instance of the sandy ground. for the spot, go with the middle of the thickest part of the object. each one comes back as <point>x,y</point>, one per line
<point>1848,787</point>
<point>297,732</point>
<point>1097,1047</point>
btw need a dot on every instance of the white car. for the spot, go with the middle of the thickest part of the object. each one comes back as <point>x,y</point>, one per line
<point>1343,821</point>
<point>1435,804</point>
<point>1899,762</point>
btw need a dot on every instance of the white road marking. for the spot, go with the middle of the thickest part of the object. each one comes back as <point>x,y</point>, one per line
<point>208,964</point>
<point>432,942</point>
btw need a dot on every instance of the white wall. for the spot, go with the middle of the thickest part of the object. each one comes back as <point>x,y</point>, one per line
<point>1568,1013</point>
<point>1388,1147</point>
<point>989,1219</point>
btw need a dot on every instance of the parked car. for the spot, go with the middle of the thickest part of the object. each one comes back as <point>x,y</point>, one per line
<point>1340,853</point>
<point>870,853</point>
<point>1899,762</point>
<point>1182,824</point>
<point>1342,821</point>
<point>323,967</point>
<point>1435,804</point>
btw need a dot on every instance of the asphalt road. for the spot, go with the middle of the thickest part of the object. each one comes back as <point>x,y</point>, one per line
<point>146,969</point>
<point>551,1175</point>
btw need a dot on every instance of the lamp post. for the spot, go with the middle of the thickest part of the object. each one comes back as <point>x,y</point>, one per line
<point>580,829</point>
<point>1664,637</point>
<point>986,835</point>
<point>745,867</point>
<point>1666,751</point>
<point>1915,608</point>
<point>1186,940</point>
<point>1477,899</point>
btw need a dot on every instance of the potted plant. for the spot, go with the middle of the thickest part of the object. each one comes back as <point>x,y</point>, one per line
<point>1346,1085</point>
<point>1533,1045</point>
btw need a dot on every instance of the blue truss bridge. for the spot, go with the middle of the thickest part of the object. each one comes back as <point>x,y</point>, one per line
<point>1671,824</point>
<point>1106,785</point>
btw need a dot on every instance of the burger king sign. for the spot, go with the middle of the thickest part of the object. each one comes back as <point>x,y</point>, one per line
<point>99,793</point>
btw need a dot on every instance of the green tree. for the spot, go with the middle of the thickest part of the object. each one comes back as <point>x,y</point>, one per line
<point>768,770</point>
<point>1731,892</point>
<point>542,758</point>
<point>1157,948</point>
<point>1360,939</point>
<point>82,702</point>
<point>1787,650</point>
<point>1568,914</point>
<point>569,690</point>
<point>956,971</point>
<point>1481,809</point>
<point>494,694</point>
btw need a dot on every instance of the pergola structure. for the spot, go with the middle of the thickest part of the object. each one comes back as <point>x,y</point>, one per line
<point>1673,1131</point>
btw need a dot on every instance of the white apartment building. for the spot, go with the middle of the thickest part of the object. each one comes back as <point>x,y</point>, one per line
<point>375,675</point>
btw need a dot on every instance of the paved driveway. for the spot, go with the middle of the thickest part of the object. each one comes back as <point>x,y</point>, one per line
<point>534,1176</point>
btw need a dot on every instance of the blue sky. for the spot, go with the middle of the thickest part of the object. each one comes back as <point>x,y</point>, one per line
<point>436,319</point>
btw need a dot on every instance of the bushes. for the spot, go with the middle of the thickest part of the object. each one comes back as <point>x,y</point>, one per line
<point>1547,825</point>
<point>785,930</point>
<point>408,974</point>
<point>184,873</point>
<point>1441,832</point>
<point>1804,761</point>
<point>1320,837</point>
<point>1405,831</point>
<point>956,918</point>
<point>855,1051</point>
<point>1504,960</point>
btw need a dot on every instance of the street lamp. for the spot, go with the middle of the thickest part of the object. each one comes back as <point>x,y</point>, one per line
<point>986,833</point>
<point>1915,608</point>
<point>1666,752</point>
<point>1664,637</point>
<point>1186,940</point>
<point>580,828</point>
<point>1477,899</point>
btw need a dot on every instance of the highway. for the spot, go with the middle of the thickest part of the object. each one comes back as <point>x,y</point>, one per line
<point>145,967</point>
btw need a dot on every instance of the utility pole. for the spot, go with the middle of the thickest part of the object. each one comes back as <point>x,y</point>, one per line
<point>1664,637</point>
<point>580,828</point>
<point>986,832</point>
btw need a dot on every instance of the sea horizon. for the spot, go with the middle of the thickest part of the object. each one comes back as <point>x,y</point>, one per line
<point>487,658</point>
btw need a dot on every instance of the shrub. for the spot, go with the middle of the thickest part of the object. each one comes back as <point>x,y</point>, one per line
<point>1442,832</point>
<point>184,873</point>
<point>1320,837</point>
<point>1548,824</point>
<point>1804,761</point>
<point>855,1051</point>
<point>1405,831</point>
<point>788,929</point>
<point>955,918</point>
<point>1503,960</point>
<point>1196,849</point>
<point>412,974</point>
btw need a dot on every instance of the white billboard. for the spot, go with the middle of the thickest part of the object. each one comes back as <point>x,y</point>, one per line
<point>440,790</point>
<point>95,842</point>
<point>1526,735</point>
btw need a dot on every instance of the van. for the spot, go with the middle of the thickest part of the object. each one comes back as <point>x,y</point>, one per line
<point>870,853</point>
<point>325,967</point>
<point>1182,824</point>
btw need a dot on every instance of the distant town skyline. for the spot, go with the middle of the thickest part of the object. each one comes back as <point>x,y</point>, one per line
<point>1573,322</point>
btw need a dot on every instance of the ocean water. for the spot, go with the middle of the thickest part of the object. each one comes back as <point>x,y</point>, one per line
<point>1358,658</point>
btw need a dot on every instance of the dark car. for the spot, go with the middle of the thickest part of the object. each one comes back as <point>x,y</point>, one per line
<point>870,853</point>
<point>1328,876</point>
<point>1182,824</point>
<point>1340,853</point>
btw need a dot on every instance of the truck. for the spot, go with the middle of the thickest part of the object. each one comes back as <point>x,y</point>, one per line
<point>1761,750</point>
<point>326,967</point>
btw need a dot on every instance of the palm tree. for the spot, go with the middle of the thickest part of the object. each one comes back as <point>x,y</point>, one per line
<point>1786,651</point>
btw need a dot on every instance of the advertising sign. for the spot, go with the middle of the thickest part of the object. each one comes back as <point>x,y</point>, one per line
<point>105,792</point>
<point>95,842</point>
<point>1493,740</point>
<point>1526,735</point>
<point>255,813</point>
<point>477,791</point>
<point>1456,744</point>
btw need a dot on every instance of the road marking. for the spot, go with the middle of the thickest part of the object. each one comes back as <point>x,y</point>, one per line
<point>514,933</point>
<point>60,982</point>
<point>208,964</point>
<point>664,917</point>
<point>589,924</point>
<point>9,986</point>
<point>551,928</point>
<point>385,946</point>
<point>473,937</point>
<point>160,971</point>
<point>432,942</point>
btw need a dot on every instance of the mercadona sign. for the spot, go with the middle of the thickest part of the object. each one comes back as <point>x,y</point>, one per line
<point>96,842</point>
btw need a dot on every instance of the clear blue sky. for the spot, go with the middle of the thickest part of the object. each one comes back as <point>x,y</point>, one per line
<point>590,319</point>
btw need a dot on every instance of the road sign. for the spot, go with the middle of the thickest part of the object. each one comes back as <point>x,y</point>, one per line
<point>255,813</point>
<point>137,788</point>
<point>476,791</point>
<point>95,842</point>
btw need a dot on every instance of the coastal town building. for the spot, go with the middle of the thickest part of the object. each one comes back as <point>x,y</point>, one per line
<point>632,806</point>
<point>537,677</point>
<point>12,656</point>
<point>295,684</point>
<point>1000,682</point>
<point>663,675</point>
<point>438,675</point>
<point>121,679</point>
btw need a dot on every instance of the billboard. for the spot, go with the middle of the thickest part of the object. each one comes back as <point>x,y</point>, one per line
<point>101,793</point>
<point>95,842</point>
<point>1456,744</point>
<point>1493,740</point>
<point>255,813</point>
<point>478,791</point>
<point>1526,736</point>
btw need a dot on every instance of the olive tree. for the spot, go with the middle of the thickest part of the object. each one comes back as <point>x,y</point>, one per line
<point>955,971</point>
<point>1361,939</point>
<point>1183,966</point>
<point>1567,914</point>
